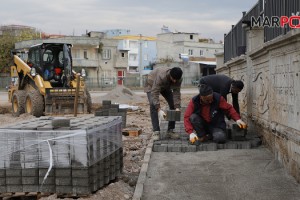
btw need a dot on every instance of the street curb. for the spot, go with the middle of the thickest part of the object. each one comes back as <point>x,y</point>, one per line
<point>139,188</point>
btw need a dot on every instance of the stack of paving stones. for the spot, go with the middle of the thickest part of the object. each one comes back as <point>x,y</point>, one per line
<point>237,139</point>
<point>109,109</point>
<point>86,155</point>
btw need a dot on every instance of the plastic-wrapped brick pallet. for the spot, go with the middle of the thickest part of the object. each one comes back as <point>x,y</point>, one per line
<point>80,159</point>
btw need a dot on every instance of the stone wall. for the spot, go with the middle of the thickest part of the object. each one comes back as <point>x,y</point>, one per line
<point>270,101</point>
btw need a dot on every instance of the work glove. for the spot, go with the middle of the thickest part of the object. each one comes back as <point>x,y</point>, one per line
<point>193,138</point>
<point>161,115</point>
<point>241,124</point>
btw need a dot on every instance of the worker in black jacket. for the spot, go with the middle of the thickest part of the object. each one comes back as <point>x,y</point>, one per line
<point>224,85</point>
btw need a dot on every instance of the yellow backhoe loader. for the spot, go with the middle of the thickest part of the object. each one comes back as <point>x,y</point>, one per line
<point>45,84</point>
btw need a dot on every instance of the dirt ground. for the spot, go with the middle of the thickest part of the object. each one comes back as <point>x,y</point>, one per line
<point>133,147</point>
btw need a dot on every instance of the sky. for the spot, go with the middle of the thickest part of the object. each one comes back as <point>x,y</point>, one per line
<point>210,18</point>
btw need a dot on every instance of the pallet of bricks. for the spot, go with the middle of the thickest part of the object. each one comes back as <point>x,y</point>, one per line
<point>109,109</point>
<point>76,158</point>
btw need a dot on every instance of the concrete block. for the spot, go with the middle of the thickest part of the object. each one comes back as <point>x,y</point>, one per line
<point>106,102</point>
<point>2,173</point>
<point>80,173</point>
<point>30,188</point>
<point>238,134</point>
<point>50,180</point>
<point>47,188</point>
<point>220,146</point>
<point>30,172</point>
<point>230,146</point>
<point>174,148</point>
<point>82,190</point>
<point>13,172</point>
<point>14,188</point>
<point>63,172</point>
<point>2,181</point>
<point>64,189</point>
<point>14,180</point>
<point>42,172</point>
<point>30,180</point>
<point>3,189</point>
<point>63,181</point>
<point>173,115</point>
<point>80,181</point>
<point>160,148</point>
<point>58,122</point>
<point>244,145</point>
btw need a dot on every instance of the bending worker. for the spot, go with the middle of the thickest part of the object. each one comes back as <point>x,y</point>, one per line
<point>167,82</point>
<point>204,116</point>
<point>224,85</point>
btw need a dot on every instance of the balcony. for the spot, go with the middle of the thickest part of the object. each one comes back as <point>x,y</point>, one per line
<point>79,62</point>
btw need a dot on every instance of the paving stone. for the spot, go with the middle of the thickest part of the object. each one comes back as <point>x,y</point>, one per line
<point>14,180</point>
<point>30,180</point>
<point>63,181</point>
<point>60,122</point>
<point>3,189</point>
<point>63,189</point>
<point>13,172</point>
<point>49,180</point>
<point>174,148</point>
<point>47,188</point>
<point>244,145</point>
<point>230,146</point>
<point>160,148</point>
<point>30,188</point>
<point>81,190</point>
<point>63,172</point>
<point>14,188</point>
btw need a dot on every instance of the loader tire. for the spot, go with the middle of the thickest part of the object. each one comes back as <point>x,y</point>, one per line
<point>88,102</point>
<point>18,103</point>
<point>34,103</point>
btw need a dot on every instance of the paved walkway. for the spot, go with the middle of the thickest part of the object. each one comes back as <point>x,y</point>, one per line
<point>223,174</point>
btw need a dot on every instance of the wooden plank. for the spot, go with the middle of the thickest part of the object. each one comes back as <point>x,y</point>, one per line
<point>132,132</point>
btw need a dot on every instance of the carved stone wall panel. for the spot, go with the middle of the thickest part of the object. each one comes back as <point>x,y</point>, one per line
<point>285,89</point>
<point>260,91</point>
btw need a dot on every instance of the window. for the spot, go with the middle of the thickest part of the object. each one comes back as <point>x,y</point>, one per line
<point>191,37</point>
<point>123,55</point>
<point>190,52</point>
<point>146,44</point>
<point>106,54</point>
<point>76,53</point>
<point>85,54</point>
<point>201,52</point>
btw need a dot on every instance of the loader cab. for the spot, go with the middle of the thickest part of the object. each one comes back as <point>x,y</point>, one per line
<point>51,61</point>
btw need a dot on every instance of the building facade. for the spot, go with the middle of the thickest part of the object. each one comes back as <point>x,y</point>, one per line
<point>104,63</point>
<point>195,55</point>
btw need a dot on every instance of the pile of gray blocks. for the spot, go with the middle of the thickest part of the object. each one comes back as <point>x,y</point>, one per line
<point>77,160</point>
<point>109,109</point>
<point>236,141</point>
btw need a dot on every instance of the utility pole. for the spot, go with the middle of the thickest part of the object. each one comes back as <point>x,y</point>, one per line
<point>140,62</point>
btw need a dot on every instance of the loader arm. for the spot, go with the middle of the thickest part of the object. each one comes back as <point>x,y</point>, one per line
<point>38,80</point>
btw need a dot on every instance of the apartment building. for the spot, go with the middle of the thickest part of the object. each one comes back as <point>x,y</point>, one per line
<point>104,63</point>
<point>195,55</point>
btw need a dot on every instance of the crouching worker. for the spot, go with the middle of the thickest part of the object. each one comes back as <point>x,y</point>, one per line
<point>204,116</point>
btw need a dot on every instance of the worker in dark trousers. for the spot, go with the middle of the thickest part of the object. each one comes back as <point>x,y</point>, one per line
<point>224,85</point>
<point>204,116</point>
<point>167,82</point>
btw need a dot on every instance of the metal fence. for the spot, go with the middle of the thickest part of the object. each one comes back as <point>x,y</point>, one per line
<point>109,83</point>
<point>235,40</point>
